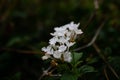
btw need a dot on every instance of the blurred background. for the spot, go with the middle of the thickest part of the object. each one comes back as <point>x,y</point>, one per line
<point>25,27</point>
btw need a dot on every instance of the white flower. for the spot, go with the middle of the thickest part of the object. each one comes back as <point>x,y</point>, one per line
<point>74,27</point>
<point>53,40</point>
<point>68,34</point>
<point>57,54</point>
<point>48,50</point>
<point>46,56</point>
<point>78,31</point>
<point>57,34</point>
<point>67,56</point>
<point>69,44</point>
<point>63,39</point>
<point>62,48</point>
<point>59,31</point>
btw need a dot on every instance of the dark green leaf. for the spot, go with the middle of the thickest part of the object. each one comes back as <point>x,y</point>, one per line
<point>69,77</point>
<point>13,41</point>
<point>76,57</point>
<point>85,69</point>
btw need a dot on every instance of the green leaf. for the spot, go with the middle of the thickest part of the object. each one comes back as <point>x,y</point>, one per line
<point>76,57</point>
<point>13,41</point>
<point>69,77</point>
<point>16,76</point>
<point>91,60</point>
<point>85,69</point>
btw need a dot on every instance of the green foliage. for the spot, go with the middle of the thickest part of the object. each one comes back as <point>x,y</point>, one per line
<point>69,76</point>
<point>74,70</point>
<point>16,76</point>
<point>86,69</point>
<point>76,57</point>
<point>25,26</point>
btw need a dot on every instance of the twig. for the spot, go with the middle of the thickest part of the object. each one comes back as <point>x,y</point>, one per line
<point>105,72</point>
<point>1,4</point>
<point>93,13</point>
<point>104,59</point>
<point>56,75</point>
<point>93,39</point>
<point>45,72</point>
<point>96,4</point>
<point>90,19</point>
<point>19,51</point>
<point>7,12</point>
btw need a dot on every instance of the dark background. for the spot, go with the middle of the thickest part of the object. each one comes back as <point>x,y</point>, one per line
<point>25,26</point>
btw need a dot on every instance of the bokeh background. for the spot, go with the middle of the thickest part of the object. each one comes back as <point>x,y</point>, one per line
<point>25,27</point>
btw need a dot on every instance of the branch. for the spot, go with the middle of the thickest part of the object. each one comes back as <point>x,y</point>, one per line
<point>96,4</point>
<point>8,11</point>
<point>19,51</point>
<point>105,72</point>
<point>93,13</point>
<point>93,39</point>
<point>104,59</point>
<point>1,4</point>
<point>90,19</point>
<point>45,72</point>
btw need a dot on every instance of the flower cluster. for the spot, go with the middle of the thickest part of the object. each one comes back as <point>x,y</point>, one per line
<point>63,38</point>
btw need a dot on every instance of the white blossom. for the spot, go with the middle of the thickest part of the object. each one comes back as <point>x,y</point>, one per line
<point>46,56</point>
<point>57,54</point>
<point>62,48</point>
<point>59,31</point>
<point>48,49</point>
<point>63,38</point>
<point>53,40</point>
<point>69,44</point>
<point>67,56</point>
<point>74,27</point>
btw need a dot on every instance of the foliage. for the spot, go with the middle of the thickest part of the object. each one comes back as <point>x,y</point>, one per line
<point>25,26</point>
